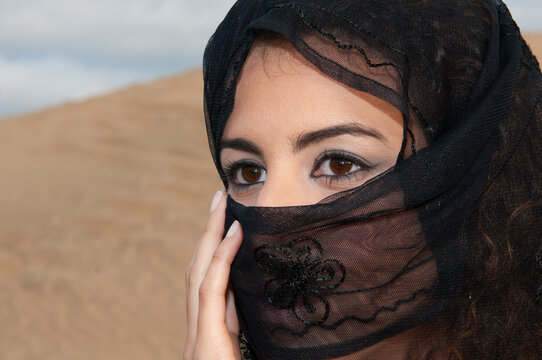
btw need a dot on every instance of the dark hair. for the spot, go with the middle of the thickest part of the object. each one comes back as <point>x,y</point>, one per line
<point>498,313</point>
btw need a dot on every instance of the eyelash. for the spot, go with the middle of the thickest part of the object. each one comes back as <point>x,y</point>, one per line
<point>363,165</point>
<point>231,168</point>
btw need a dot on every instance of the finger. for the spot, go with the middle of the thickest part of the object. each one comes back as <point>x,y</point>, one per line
<point>212,293</point>
<point>211,237</point>
<point>232,321</point>
<point>198,266</point>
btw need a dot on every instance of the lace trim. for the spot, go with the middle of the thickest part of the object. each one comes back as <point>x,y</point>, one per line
<point>343,46</point>
<point>368,319</point>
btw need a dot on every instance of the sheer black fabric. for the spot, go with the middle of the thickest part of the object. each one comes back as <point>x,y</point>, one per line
<point>330,279</point>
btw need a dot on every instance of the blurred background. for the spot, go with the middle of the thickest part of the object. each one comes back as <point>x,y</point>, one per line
<point>52,51</point>
<point>105,176</point>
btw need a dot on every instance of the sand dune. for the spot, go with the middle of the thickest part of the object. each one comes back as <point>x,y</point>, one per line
<point>102,203</point>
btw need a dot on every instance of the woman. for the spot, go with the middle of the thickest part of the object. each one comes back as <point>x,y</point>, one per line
<point>385,187</point>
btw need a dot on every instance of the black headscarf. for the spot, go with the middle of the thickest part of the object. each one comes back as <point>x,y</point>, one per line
<point>329,279</point>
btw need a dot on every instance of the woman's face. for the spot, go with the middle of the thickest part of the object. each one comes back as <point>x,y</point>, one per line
<point>296,136</point>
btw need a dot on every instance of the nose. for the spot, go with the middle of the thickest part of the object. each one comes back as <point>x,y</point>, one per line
<point>285,188</point>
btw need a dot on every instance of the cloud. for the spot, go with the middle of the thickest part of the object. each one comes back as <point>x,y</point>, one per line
<point>30,85</point>
<point>53,51</point>
<point>129,32</point>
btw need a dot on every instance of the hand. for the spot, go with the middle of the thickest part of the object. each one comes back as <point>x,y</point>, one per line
<point>213,327</point>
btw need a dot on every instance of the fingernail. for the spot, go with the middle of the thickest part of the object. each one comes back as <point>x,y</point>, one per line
<point>233,228</point>
<point>216,200</point>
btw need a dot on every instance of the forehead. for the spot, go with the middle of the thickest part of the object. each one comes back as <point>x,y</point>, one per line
<point>280,92</point>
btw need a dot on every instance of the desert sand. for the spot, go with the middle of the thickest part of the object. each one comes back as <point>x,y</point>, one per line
<point>102,204</point>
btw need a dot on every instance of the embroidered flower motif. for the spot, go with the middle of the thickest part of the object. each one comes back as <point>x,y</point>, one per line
<point>299,278</point>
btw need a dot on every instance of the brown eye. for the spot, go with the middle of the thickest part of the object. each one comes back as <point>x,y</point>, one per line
<point>250,174</point>
<point>337,165</point>
<point>340,166</point>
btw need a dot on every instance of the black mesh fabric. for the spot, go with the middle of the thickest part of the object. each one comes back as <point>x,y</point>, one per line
<point>330,279</point>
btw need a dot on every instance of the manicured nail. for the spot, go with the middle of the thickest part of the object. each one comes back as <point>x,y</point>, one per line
<point>216,200</point>
<point>233,229</point>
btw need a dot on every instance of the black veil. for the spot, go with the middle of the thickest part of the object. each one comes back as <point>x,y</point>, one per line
<point>329,279</point>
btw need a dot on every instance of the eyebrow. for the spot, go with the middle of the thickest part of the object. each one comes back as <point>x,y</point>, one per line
<point>241,145</point>
<point>305,139</point>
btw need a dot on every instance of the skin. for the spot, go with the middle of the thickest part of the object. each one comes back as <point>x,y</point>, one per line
<point>295,136</point>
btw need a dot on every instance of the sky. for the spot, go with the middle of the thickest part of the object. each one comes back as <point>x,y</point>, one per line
<point>55,51</point>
